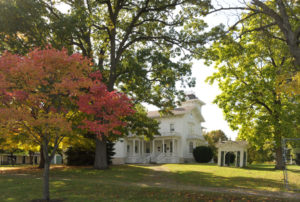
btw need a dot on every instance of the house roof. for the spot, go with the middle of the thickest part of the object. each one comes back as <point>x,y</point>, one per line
<point>176,111</point>
<point>186,107</point>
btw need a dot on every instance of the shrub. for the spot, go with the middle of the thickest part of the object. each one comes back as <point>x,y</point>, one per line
<point>297,159</point>
<point>203,154</point>
<point>79,155</point>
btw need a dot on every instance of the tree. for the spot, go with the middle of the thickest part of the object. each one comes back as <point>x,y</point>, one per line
<point>106,110</point>
<point>39,94</point>
<point>261,154</point>
<point>35,96</point>
<point>248,69</point>
<point>142,47</point>
<point>134,43</point>
<point>214,137</point>
<point>279,15</point>
<point>22,26</point>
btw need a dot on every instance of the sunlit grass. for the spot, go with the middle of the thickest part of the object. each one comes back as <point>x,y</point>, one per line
<point>142,183</point>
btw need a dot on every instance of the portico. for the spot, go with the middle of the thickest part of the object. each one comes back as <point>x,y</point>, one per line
<point>162,149</point>
<point>236,148</point>
<point>179,132</point>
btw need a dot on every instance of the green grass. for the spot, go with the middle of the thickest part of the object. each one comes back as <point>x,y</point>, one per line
<point>262,177</point>
<point>142,183</point>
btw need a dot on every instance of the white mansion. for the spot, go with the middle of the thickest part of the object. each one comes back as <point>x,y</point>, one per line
<point>180,133</point>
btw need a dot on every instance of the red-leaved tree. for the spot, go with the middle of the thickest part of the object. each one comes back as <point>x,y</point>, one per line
<point>106,111</point>
<point>40,93</point>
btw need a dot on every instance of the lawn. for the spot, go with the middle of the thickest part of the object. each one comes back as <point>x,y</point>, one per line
<point>169,182</point>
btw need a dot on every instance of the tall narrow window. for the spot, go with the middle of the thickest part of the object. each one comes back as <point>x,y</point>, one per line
<point>191,147</point>
<point>148,147</point>
<point>172,128</point>
<point>128,148</point>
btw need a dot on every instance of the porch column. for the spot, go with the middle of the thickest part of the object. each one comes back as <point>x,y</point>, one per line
<point>173,147</point>
<point>133,148</point>
<point>142,147</point>
<point>153,147</point>
<point>163,145</point>
<point>219,157</point>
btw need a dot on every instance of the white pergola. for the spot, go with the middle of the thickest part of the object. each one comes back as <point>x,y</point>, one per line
<point>239,148</point>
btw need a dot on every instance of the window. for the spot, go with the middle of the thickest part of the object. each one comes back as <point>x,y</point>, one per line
<point>147,147</point>
<point>191,147</point>
<point>172,128</point>
<point>128,148</point>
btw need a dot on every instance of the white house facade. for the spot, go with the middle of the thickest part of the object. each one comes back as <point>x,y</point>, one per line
<point>180,133</point>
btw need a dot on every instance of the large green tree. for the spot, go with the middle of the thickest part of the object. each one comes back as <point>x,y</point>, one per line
<point>213,137</point>
<point>269,15</point>
<point>248,68</point>
<point>142,47</point>
<point>135,42</point>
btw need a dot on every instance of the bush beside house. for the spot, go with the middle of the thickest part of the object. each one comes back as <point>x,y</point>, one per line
<point>297,159</point>
<point>203,154</point>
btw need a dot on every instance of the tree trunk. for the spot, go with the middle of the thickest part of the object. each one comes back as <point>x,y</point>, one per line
<point>100,154</point>
<point>31,153</point>
<point>42,159</point>
<point>46,193</point>
<point>279,160</point>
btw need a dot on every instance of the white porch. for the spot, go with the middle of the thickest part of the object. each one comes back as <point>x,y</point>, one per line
<point>163,149</point>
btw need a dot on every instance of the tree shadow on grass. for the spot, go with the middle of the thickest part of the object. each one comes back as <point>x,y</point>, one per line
<point>209,179</point>
<point>261,167</point>
<point>212,180</point>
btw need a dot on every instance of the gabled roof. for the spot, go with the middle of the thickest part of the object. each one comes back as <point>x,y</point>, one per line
<point>186,107</point>
<point>176,111</point>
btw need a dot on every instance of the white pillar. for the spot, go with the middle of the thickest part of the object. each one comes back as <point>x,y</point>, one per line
<point>142,147</point>
<point>133,149</point>
<point>241,158</point>
<point>163,145</point>
<point>153,147</point>
<point>219,157</point>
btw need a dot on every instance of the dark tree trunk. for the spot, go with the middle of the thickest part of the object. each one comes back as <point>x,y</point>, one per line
<point>31,153</point>
<point>279,160</point>
<point>100,154</point>
<point>46,193</point>
<point>42,159</point>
